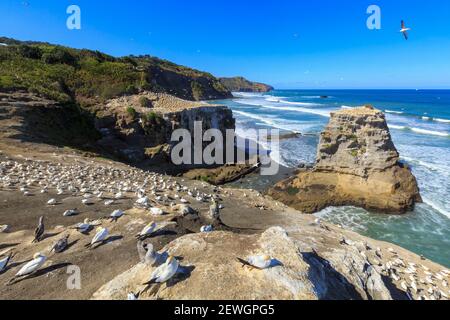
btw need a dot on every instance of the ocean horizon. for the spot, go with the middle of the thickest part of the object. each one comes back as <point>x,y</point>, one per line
<point>419,122</point>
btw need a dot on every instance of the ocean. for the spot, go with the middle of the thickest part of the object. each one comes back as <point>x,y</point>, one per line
<point>419,121</point>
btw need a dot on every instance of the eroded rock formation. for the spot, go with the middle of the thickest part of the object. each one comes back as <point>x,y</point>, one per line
<point>357,164</point>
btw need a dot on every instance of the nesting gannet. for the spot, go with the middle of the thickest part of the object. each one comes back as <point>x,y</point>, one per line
<point>116,215</point>
<point>260,262</point>
<point>70,213</point>
<point>164,272</point>
<point>84,226</point>
<point>147,231</point>
<point>132,296</point>
<point>156,211</point>
<point>109,202</point>
<point>52,202</point>
<point>100,236</point>
<point>60,245</point>
<point>4,261</point>
<point>39,231</point>
<point>87,201</point>
<point>206,229</point>
<point>31,267</point>
<point>4,228</point>
<point>404,30</point>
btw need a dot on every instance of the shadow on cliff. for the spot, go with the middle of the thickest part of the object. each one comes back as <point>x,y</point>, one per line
<point>328,283</point>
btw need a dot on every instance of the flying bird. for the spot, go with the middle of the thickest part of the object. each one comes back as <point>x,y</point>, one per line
<point>404,30</point>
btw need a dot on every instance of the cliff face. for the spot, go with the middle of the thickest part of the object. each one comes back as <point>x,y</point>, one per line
<point>240,84</point>
<point>357,164</point>
<point>138,128</point>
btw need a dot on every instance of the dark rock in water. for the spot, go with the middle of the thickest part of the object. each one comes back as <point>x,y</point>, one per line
<point>357,164</point>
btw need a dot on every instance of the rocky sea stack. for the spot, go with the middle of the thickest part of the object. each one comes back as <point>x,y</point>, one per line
<point>357,164</point>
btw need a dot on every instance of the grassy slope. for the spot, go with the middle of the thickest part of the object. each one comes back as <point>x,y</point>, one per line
<point>87,77</point>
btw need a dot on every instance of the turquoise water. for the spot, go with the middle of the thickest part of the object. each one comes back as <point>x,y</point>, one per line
<point>420,127</point>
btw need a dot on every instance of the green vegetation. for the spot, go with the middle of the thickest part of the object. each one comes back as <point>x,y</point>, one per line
<point>145,102</point>
<point>88,77</point>
<point>132,112</point>
<point>292,191</point>
<point>354,153</point>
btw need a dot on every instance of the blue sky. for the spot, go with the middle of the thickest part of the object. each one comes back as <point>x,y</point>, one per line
<point>290,44</point>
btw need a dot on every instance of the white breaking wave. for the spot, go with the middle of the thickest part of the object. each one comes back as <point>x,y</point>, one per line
<point>299,103</point>
<point>436,207</point>
<point>431,166</point>
<point>346,107</point>
<point>265,120</point>
<point>249,103</point>
<point>442,120</point>
<point>322,113</point>
<point>421,131</point>
<point>395,112</point>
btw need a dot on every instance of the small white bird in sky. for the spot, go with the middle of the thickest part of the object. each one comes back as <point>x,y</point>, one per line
<point>260,262</point>
<point>164,272</point>
<point>404,30</point>
<point>100,236</point>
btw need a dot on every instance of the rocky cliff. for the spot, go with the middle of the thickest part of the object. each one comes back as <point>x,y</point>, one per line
<point>240,84</point>
<point>357,164</point>
<point>138,128</point>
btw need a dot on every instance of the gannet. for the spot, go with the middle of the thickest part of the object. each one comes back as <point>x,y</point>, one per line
<point>51,202</point>
<point>39,231</point>
<point>87,201</point>
<point>84,226</point>
<point>31,267</point>
<point>100,236</point>
<point>147,231</point>
<point>116,214</point>
<point>164,272</point>
<point>132,296</point>
<point>156,211</point>
<point>404,30</point>
<point>70,213</point>
<point>258,261</point>
<point>206,229</point>
<point>60,245</point>
<point>4,261</point>
<point>109,202</point>
<point>4,228</point>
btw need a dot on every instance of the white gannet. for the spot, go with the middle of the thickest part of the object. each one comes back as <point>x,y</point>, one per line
<point>260,262</point>
<point>4,261</point>
<point>100,236</point>
<point>87,201</point>
<point>52,202</point>
<point>116,214</point>
<point>39,231</point>
<point>32,266</point>
<point>206,229</point>
<point>4,228</point>
<point>164,272</point>
<point>404,30</point>
<point>84,227</point>
<point>156,211</point>
<point>70,213</point>
<point>147,231</point>
<point>132,296</point>
<point>60,245</point>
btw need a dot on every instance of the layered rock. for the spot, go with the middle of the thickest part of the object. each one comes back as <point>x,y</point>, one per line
<point>240,84</point>
<point>139,127</point>
<point>357,164</point>
<point>210,270</point>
